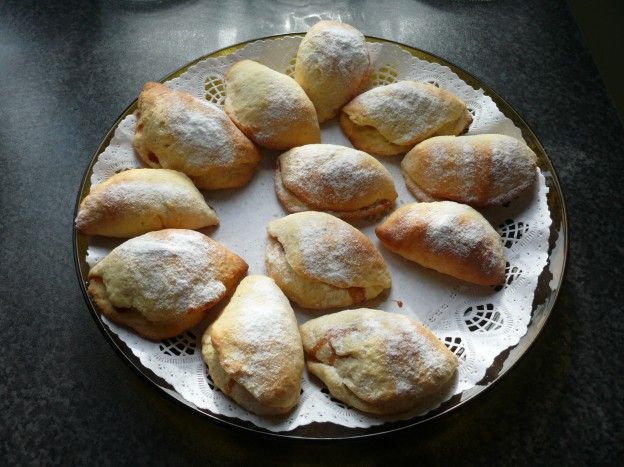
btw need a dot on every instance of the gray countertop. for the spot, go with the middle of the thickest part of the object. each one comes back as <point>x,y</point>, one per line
<point>67,69</point>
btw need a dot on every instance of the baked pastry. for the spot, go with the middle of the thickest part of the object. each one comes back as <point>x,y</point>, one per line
<point>375,361</point>
<point>253,350</point>
<point>449,237</point>
<point>480,170</point>
<point>269,107</point>
<point>320,261</point>
<point>178,131</point>
<point>162,283</point>
<point>137,201</point>
<point>390,120</point>
<point>332,66</point>
<point>324,177</point>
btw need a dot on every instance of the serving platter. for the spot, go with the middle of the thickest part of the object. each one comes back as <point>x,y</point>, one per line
<point>544,295</point>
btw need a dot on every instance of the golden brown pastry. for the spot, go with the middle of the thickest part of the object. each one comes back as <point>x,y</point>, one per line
<point>137,201</point>
<point>269,107</point>
<point>480,170</point>
<point>332,66</point>
<point>449,237</point>
<point>253,350</point>
<point>348,183</point>
<point>162,283</point>
<point>377,362</point>
<point>178,131</point>
<point>320,261</point>
<point>390,120</point>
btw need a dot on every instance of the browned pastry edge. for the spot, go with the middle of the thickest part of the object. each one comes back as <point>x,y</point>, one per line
<point>425,197</point>
<point>370,213</point>
<point>155,331</point>
<point>413,247</point>
<point>218,179</point>
<point>357,295</point>
<point>298,121</point>
<point>206,178</point>
<point>324,362</point>
<point>132,319</point>
<point>418,192</point>
<point>385,148</point>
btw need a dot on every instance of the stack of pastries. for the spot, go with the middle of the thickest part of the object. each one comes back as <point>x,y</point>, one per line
<point>166,277</point>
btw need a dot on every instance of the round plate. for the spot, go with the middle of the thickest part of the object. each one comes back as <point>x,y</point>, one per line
<point>546,293</point>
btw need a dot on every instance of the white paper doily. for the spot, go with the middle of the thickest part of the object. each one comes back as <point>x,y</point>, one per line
<point>476,323</point>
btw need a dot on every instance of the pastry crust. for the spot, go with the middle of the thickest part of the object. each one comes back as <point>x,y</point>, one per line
<point>369,140</point>
<point>348,183</point>
<point>137,201</point>
<point>390,120</point>
<point>162,283</point>
<point>449,237</point>
<point>332,66</point>
<point>480,170</point>
<point>322,262</point>
<point>377,362</point>
<point>176,130</point>
<point>254,351</point>
<point>270,107</point>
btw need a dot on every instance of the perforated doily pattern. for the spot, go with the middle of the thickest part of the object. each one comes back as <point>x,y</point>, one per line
<point>475,323</point>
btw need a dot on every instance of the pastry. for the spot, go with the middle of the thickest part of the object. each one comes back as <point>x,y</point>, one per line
<point>377,362</point>
<point>269,107</point>
<point>390,120</point>
<point>178,131</point>
<point>162,283</point>
<point>344,181</point>
<point>320,261</point>
<point>332,66</point>
<point>137,201</point>
<point>253,350</point>
<point>480,170</point>
<point>449,237</point>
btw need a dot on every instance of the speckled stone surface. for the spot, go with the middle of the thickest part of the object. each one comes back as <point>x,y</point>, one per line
<point>67,69</point>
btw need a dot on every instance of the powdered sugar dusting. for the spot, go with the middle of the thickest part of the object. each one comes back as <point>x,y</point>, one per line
<point>332,65</point>
<point>271,105</point>
<point>260,344</point>
<point>201,134</point>
<point>451,230</point>
<point>162,275</point>
<point>329,173</point>
<point>335,252</point>
<point>386,107</point>
<point>447,166</point>
<point>339,48</point>
<point>490,169</point>
<point>146,193</point>
<point>261,313</point>
<point>331,254</point>
<point>408,354</point>
<point>283,102</point>
<point>454,230</point>
<point>262,320</point>
<point>513,168</point>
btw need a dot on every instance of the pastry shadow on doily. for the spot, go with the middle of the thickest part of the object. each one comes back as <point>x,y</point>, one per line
<point>514,208</point>
<point>371,220</point>
<point>442,394</point>
<point>208,230</point>
<point>432,277</point>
